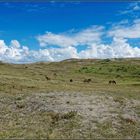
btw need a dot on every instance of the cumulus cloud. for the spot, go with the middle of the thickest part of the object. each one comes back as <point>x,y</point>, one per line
<point>119,48</point>
<point>92,39</point>
<point>65,45</point>
<point>124,31</point>
<point>53,54</point>
<point>21,54</point>
<point>14,52</point>
<point>14,44</point>
<point>84,37</point>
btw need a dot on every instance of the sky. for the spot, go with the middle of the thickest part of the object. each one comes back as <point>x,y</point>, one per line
<point>54,31</point>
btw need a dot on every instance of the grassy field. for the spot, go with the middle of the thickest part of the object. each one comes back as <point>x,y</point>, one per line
<point>33,106</point>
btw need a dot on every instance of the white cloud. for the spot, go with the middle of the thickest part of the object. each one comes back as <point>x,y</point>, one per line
<point>53,54</point>
<point>3,47</point>
<point>124,31</point>
<point>20,54</point>
<point>67,45</point>
<point>84,37</point>
<point>118,48</point>
<point>15,44</point>
<point>54,39</point>
<point>12,53</point>
<point>92,39</point>
<point>132,8</point>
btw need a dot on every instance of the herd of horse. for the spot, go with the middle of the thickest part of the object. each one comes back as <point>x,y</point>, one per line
<point>85,80</point>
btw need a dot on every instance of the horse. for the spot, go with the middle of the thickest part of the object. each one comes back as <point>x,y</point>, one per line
<point>55,74</point>
<point>87,80</point>
<point>112,82</point>
<point>47,78</point>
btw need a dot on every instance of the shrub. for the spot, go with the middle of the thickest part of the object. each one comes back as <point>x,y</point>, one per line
<point>118,76</point>
<point>84,68</point>
<point>110,70</point>
<point>69,115</point>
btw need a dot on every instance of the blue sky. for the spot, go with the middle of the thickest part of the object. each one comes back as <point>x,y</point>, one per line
<point>54,31</point>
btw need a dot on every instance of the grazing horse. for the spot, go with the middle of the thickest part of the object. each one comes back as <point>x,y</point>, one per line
<point>87,80</point>
<point>112,82</point>
<point>55,74</point>
<point>47,78</point>
<point>71,80</point>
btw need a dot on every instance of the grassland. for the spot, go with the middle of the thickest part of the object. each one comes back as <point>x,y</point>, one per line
<point>33,107</point>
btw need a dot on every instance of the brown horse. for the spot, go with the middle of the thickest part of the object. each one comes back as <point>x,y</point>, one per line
<point>87,80</point>
<point>55,74</point>
<point>47,78</point>
<point>112,82</point>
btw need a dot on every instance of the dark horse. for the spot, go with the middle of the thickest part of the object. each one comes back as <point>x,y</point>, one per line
<point>112,82</point>
<point>87,80</point>
<point>47,78</point>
